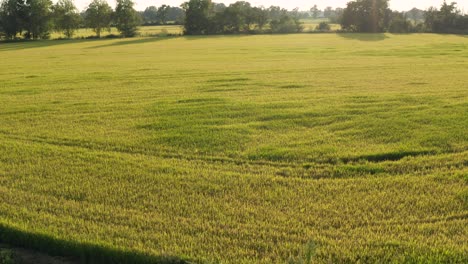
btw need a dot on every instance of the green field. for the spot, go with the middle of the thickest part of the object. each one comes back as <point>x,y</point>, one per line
<point>143,31</point>
<point>237,149</point>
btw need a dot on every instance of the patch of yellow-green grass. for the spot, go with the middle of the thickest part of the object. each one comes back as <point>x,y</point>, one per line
<point>237,149</point>
<point>144,31</point>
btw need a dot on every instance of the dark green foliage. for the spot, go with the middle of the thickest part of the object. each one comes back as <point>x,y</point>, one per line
<point>150,15</point>
<point>415,14</point>
<point>315,12</point>
<point>198,17</point>
<point>33,17</point>
<point>323,26</point>
<point>6,256</point>
<point>126,18</point>
<point>98,16</point>
<point>10,14</point>
<point>66,17</point>
<point>446,20</point>
<point>37,19</point>
<point>204,17</point>
<point>399,24</point>
<point>286,24</point>
<point>162,15</point>
<point>365,16</point>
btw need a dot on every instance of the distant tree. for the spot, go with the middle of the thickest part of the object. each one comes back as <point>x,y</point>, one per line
<point>163,12</point>
<point>315,12</point>
<point>261,17</point>
<point>219,7</point>
<point>66,17</point>
<point>150,15</point>
<point>399,23</point>
<point>237,17</point>
<point>176,15</point>
<point>286,24</point>
<point>323,26</point>
<point>446,20</point>
<point>328,12</point>
<point>337,16</point>
<point>126,18</point>
<point>99,16</point>
<point>276,12</point>
<point>415,14</point>
<point>199,15</point>
<point>10,17</point>
<point>36,18</point>
<point>365,16</point>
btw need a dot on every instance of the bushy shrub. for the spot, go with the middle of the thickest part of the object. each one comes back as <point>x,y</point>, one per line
<point>323,26</point>
<point>286,24</point>
<point>399,25</point>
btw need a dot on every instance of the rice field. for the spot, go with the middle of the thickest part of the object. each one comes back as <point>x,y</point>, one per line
<point>319,148</point>
<point>143,31</point>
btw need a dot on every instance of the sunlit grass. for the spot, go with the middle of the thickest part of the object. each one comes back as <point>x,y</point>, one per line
<point>143,31</point>
<point>240,149</point>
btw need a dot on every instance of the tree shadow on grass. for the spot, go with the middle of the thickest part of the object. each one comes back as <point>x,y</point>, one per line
<point>31,44</point>
<point>79,251</point>
<point>132,42</point>
<point>364,36</point>
<point>198,37</point>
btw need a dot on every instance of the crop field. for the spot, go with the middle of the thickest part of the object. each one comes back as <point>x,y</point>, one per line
<point>143,31</point>
<point>334,148</point>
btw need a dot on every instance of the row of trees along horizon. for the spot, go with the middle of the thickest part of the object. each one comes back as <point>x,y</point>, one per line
<point>35,19</point>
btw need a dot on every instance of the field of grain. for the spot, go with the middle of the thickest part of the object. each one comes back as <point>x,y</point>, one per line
<point>143,31</point>
<point>237,149</point>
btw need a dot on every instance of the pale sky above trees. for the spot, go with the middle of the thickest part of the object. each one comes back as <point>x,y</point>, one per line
<point>400,5</point>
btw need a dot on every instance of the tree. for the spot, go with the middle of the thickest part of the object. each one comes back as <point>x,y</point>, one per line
<point>315,12</point>
<point>286,24</point>
<point>328,12</point>
<point>66,17</point>
<point>415,14</point>
<point>126,18</point>
<point>366,16</point>
<point>150,15</point>
<point>446,20</point>
<point>10,16</point>
<point>99,16</point>
<point>399,23</point>
<point>163,12</point>
<point>237,17</point>
<point>323,26</point>
<point>261,17</point>
<point>37,18</point>
<point>199,17</point>
<point>176,14</point>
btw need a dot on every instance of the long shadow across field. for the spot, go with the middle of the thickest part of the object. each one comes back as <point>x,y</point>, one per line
<point>32,44</point>
<point>364,36</point>
<point>82,252</point>
<point>132,41</point>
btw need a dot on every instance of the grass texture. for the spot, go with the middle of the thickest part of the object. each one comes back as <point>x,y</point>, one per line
<point>339,148</point>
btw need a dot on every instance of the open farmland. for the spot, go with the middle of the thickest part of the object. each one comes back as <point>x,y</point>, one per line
<point>146,31</point>
<point>240,149</point>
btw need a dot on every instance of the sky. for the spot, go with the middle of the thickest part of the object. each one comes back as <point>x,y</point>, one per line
<point>400,5</point>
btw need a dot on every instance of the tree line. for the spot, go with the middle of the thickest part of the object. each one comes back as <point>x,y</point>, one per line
<point>35,19</point>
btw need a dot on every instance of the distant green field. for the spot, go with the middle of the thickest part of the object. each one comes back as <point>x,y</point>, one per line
<point>237,149</point>
<point>143,31</point>
<point>311,24</point>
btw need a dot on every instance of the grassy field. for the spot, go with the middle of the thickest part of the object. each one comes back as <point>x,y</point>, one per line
<point>310,25</point>
<point>143,31</point>
<point>241,149</point>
